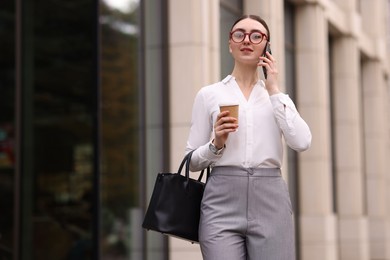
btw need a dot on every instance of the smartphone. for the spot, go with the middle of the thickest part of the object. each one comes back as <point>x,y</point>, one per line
<point>267,48</point>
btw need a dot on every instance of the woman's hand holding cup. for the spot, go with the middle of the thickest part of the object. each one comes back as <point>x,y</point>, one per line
<point>227,122</point>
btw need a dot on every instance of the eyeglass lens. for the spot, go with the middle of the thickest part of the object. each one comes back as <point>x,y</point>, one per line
<point>254,37</point>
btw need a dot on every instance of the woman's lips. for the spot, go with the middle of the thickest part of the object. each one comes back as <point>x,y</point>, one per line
<point>246,49</point>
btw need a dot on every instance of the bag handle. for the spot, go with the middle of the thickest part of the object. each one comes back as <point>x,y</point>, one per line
<point>207,175</point>
<point>186,161</point>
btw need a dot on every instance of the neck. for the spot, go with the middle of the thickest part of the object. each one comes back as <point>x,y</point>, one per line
<point>246,76</point>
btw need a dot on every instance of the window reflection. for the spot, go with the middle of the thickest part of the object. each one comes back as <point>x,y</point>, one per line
<point>120,128</point>
<point>58,108</point>
<point>7,128</point>
<point>125,6</point>
<point>230,11</point>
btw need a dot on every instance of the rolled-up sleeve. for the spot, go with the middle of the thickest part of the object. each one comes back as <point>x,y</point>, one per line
<point>295,130</point>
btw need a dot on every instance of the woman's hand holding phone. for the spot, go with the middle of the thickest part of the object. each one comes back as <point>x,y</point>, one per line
<point>267,49</point>
<point>270,71</point>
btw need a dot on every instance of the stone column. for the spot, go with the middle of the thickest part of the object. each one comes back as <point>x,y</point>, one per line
<point>348,148</point>
<point>194,62</point>
<point>376,129</point>
<point>318,223</point>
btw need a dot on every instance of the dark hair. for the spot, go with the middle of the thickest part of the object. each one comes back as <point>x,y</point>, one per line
<point>253,17</point>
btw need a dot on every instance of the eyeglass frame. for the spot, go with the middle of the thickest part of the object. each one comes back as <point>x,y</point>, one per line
<point>263,35</point>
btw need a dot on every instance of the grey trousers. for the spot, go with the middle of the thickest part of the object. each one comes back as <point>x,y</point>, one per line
<point>246,214</point>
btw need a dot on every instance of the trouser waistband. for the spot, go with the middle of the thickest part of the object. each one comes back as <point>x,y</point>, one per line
<point>241,171</point>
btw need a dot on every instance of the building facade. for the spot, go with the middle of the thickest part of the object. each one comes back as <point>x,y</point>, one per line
<point>96,99</point>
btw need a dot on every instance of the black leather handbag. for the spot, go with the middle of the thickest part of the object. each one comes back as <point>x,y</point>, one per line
<point>174,208</point>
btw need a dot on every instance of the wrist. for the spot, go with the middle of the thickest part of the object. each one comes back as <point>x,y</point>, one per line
<point>217,146</point>
<point>215,149</point>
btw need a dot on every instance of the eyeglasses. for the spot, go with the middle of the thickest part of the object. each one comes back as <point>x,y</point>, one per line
<point>255,37</point>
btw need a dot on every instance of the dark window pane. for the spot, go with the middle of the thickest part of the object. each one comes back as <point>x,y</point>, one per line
<point>58,111</point>
<point>230,11</point>
<point>233,5</point>
<point>7,127</point>
<point>120,109</point>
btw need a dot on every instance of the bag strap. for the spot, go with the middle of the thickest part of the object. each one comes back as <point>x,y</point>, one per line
<point>186,161</point>
<point>207,175</point>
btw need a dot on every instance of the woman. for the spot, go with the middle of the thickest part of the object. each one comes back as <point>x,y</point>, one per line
<point>246,210</point>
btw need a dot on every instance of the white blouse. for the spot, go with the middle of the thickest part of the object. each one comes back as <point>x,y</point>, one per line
<point>262,121</point>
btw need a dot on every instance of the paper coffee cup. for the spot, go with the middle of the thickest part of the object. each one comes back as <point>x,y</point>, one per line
<point>232,108</point>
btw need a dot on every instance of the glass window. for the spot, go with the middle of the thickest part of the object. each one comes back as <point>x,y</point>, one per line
<point>230,11</point>
<point>134,90</point>
<point>58,111</point>
<point>290,89</point>
<point>331,40</point>
<point>121,137</point>
<point>289,28</point>
<point>232,5</point>
<point>7,128</point>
